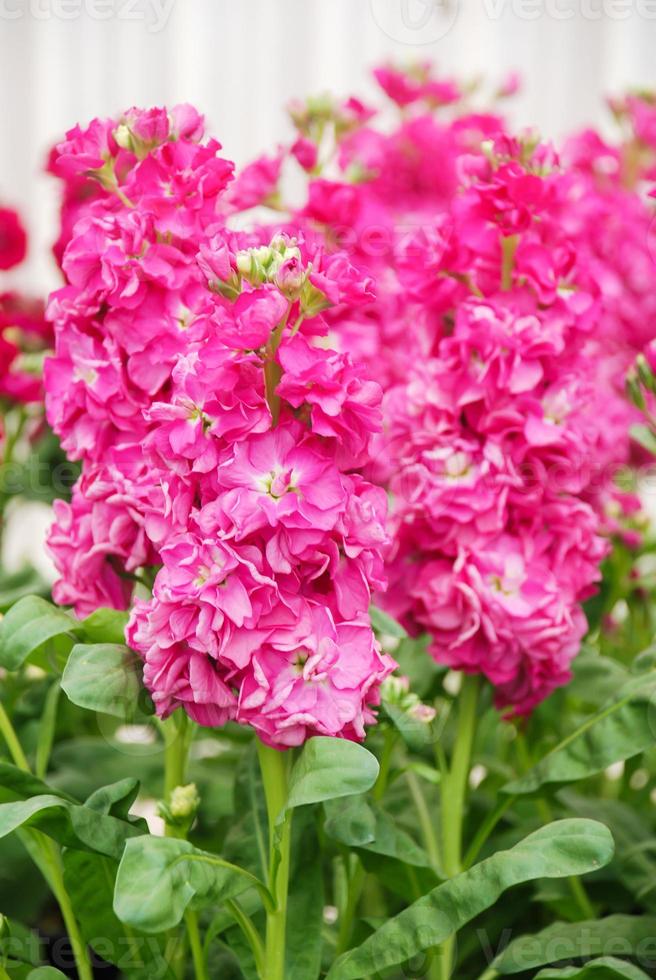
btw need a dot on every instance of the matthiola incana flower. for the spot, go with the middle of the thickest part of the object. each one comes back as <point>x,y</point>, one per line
<point>501,335</point>
<point>222,436</point>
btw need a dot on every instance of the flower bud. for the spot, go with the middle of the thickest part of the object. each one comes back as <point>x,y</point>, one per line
<point>290,277</point>
<point>645,373</point>
<point>184,802</point>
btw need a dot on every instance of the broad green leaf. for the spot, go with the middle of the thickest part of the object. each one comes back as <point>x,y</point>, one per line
<point>71,824</point>
<point>330,768</point>
<point>596,679</point>
<point>18,943</point>
<point>634,864</point>
<point>351,822</point>
<point>116,799</point>
<point>561,849</point>
<point>247,840</point>
<point>158,877</point>
<point>104,677</point>
<point>22,785</point>
<point>606,968</point>
<point>28,625</point>
<point>382,623</point>
<point>89,880</point>
<point>46,973</point>
<point>105,626</point>
<point>619,731</point>
<point>576,940</point>
<point>357,822</point>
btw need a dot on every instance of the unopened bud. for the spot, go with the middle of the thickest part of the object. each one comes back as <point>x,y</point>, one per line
<point>290,277</point>
<point>184,802</point>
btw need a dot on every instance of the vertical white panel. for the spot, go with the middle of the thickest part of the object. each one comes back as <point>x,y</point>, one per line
<point>240,61</point>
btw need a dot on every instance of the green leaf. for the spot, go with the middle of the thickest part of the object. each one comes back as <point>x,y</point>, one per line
<point>415,733</point>
<point>385,625</point>
<point>105,626</point>
<point>330,768</point>
<point>606,968</point>
<point>359,823</point>
<point>104,677</point>
<point>28,625</point>
<point>21,785</point>
<point>18,585</point>
<point>304,945</point>
<point>351,822</point>
<point>576,940</point>
<point>634,864</point>
<point>158,877</point>
<point>620,730</point>
<point>561,849</point>
<point>247,840</point>
<point>71,824</point>
<point>47,729</point>
<point>90,880</point>
<point>46,973</point>
<point>18,943</point>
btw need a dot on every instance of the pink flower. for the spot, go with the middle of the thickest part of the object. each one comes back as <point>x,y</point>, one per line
<point>305,152</point>
<point>274,478</point>
<point>256,183</point>
<point>248,324</point>
<point>318,678</point>
<point>13,239</point>
<point>342,405</point>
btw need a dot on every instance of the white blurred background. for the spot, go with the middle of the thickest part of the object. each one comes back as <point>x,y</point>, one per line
<point>240,61</point>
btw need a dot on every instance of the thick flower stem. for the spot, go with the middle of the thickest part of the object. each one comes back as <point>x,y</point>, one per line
<point>46,856</point>
<point>178,733</point>
<point>177,743</point>
<point>274,766</point>
<point>453,799</point>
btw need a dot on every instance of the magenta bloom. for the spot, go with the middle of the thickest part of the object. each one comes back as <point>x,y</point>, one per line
<point>220,432</point>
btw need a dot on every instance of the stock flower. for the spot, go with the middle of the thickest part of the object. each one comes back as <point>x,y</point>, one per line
<point>13,240</point>
<point>204,468</point>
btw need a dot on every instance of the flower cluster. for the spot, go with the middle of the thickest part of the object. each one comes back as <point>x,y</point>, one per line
<point>501,333</point>
<point>24,332</point>
<point>222,437</point>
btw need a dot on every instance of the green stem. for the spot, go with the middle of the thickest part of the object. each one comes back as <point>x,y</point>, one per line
<point>274,768</point>
<point>485,829</point>
<point>425,822</point>
<point>178,734</point>
<point>347,918</point>
<point>196,946</point>
<point>52,859</point>
<point>48,860</point>
<point>453,798</point>
<point>245,923</point>
<point>508,248</point>
<point>356,878</point>
<point>10,737</point>
<point>454,790</point>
